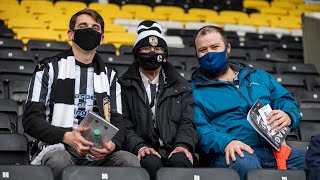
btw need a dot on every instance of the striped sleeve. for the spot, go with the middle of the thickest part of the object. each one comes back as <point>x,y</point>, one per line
<point>38,89</point>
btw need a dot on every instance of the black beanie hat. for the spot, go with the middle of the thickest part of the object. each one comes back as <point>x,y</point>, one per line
<point>149,34</point>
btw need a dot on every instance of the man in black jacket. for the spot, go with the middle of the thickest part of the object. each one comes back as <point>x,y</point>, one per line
<point>62,91</point>
<point>157,105</point>
<point>313,159</point>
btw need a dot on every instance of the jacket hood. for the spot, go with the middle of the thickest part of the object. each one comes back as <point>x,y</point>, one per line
<point>133,74</point>
<point>199,78</point>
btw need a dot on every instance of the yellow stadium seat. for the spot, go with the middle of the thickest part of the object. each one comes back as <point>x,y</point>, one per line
<point>5,2</point>
<point>285,24</point>
<point>237,14</point>
<point>119,39</point>
<point>296,13</point>
<point>150,16</point>
<point>221,20</point>
<point>9,7</point>
<point>36,34</point>
<point>259,22</point>
<point>114,28</point>
<point>104,8</point>
<point>202,13</point>
<point>134,8</point>
<point>69,7</point>
<point>168,10</point>
<point>309,7</point>
<point>255,4</point>
<point>291,1</point>
<point>284,5</point>
<point>59,25</point>
<point>184,18</point>
<point>125,15</point>
<point>36,4</point>
<point>23,23</point>
<point>70,4</point>
<point>274,11</point>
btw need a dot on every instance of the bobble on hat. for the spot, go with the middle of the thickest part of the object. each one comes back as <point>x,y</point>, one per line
<point>149,34</point>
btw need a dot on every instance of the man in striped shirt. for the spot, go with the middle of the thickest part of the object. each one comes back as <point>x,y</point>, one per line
<point>62,91</point>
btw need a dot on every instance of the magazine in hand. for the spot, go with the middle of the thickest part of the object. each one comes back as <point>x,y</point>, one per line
<point>94,121</point>
<point>257,117</point>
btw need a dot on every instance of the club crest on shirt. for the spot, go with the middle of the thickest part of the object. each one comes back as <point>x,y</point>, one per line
<point>153,40</point>
<point>40,66</point>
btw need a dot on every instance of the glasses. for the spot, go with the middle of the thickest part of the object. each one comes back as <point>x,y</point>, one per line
<point>149,48</point>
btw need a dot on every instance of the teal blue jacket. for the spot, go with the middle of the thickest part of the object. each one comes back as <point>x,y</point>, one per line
<point>221,107</point>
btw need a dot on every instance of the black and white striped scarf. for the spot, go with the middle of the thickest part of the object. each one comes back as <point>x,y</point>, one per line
<point>63,110</point>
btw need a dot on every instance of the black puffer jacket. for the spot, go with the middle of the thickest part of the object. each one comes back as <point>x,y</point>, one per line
<point>174,112</point>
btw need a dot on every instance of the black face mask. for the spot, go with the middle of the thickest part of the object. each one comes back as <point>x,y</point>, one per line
<point>87,39</point>
<point>150,61</point>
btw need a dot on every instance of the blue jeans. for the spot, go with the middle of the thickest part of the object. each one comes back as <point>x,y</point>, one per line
<point>261,158</point>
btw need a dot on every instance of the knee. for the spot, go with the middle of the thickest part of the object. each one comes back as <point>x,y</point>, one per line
<point>249,161</point>
<point>128,159</point>
<point>179,160</point>
<point>57,159</point>
<point>151,161</point>
<point>297,159</point>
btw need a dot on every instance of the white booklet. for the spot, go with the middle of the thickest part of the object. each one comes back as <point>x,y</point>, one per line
<point>257,117</point>
<point>94,121</point>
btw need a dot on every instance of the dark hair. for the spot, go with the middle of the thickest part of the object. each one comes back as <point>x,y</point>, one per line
<point>210,29</point>
<point>96,16</point>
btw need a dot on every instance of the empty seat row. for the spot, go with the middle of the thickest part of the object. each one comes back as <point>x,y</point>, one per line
<point>25,172</point>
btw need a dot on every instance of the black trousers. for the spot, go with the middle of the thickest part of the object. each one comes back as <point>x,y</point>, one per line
<point>152,162</point>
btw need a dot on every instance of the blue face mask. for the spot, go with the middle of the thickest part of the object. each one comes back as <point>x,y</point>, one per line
<point>214,62</point>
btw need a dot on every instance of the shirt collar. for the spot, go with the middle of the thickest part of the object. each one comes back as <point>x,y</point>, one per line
<point>146,81</point>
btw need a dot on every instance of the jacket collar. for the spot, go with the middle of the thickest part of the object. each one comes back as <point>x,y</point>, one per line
<point>171,75</point>
<point>199,78</point>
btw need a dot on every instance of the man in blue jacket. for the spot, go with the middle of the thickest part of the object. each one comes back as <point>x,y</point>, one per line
<point>224,93</point>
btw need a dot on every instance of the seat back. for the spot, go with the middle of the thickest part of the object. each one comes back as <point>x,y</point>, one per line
<point>14,149</point>
<point>267,174</point>
<point>26,172</point>
<point>114,173</point>
<point>196,173</point>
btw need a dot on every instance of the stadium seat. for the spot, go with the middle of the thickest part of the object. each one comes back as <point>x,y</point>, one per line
<point>308,99</point>
<point>261,37</point>
<point>26,172</point>
<point>289,38</point>
<point>267,66</point>
<point>125,50</point>
<point>301,145</point>
<point>174,41</point>
<point>202,13</point>
<point>196,173</point>
<point>121,68</point>
<point>238,54</point>
<point>47,45</point>
<point>37,34</point>
<point>180,32</point>
<point>18,90</point>
<point>8,114</point>
<point>310,115</point>
<point>6,43</point>
<point>13,149</point>
<point>294,68</point>
<point>256,55</point>
<point>114,173</point>
<point>292,83</point>
<point>106,49</point>
<point>3,94</point>
<point>307,129</point>
<point>101,8</point>
<point>267,174</point>
<point>182,52</point>
<point>6,33</point>
<point>133,8</point>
